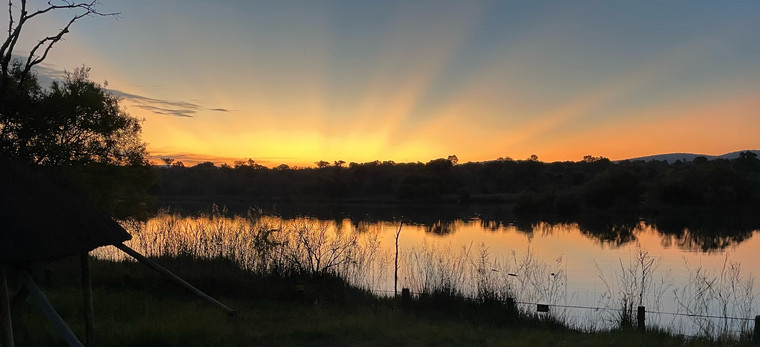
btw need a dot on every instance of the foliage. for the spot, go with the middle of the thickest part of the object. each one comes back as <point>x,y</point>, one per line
<point>75,121</point>
<point>534,187</point>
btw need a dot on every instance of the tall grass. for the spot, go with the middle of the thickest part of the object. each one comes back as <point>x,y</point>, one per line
<point>724,293</point>
<point>717,304</point>
<point>306,247</point>
<point>260,244</point>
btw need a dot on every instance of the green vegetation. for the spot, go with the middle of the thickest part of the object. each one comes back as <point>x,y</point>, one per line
<point>134,306</point>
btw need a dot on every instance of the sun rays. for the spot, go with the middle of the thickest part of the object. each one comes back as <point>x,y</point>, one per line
<point>414,81</point>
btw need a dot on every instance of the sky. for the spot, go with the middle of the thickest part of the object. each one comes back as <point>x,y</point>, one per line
<point>301,81</point>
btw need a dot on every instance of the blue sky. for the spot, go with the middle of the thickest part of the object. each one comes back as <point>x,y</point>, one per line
<point>300,81</point>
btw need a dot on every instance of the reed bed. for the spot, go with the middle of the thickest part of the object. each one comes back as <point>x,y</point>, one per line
<point>268,245</point>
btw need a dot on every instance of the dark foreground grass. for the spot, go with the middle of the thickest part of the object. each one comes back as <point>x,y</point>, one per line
<point>134,306</point>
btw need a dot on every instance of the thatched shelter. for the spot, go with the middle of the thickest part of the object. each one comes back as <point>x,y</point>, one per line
<point>41,222</point>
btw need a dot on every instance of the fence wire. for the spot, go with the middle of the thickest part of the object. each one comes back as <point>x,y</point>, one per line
<point>583,307</point>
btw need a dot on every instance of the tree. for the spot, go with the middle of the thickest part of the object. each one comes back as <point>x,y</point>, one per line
<point>453,159</point>
<point>75,121</point>
<point>39,52</point>
<point>75,127</point>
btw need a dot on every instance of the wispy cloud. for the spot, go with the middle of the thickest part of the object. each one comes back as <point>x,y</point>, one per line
<point>46,74</point>
<point>167,107</point>
<point>160,106</point>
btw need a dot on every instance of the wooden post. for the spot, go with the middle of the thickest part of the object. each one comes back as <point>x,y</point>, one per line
<point>89,309</point>
<point>48,310</point>
<point>153,265</point>
<point>511,311</point>
<point>640,318</point>
<point>756,333</point>
<point>5,310</point>
<point>511,305</point>
<point>395,268</point>
<point>406,298</point>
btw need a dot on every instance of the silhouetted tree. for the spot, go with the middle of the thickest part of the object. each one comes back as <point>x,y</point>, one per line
<point>18,18</point>
<point>75,121</point>
<point>592,159</point>
<point>322,164</point>
<point>453,159</point>
<point>75,127</point>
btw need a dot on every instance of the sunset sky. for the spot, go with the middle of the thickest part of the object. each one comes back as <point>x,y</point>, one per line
<point>299,81</point>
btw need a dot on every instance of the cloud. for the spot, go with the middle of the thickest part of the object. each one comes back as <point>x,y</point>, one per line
<point>159,106</point>
<point>167,111</point>
<point>46,74</point>
<point>184,109</point>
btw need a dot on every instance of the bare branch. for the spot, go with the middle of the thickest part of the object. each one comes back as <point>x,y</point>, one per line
<point>51,40</point>
<point>89,7</point>
<point>10,17</point>
<point>6,50</point>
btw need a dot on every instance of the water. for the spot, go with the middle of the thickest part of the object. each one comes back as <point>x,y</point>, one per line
<point>588,269</point>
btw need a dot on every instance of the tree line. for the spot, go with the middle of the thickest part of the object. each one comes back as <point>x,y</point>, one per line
<point>532,186</point>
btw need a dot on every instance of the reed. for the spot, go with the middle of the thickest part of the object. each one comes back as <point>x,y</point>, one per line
<point>305,248</point>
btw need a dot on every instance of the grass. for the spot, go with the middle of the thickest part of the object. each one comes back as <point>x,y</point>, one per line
<point>235,255</point>
<point>134,306</point>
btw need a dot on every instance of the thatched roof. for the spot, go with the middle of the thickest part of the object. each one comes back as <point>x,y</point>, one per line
<point>41,221</point>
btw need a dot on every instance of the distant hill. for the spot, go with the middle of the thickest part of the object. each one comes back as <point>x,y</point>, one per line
<point>672,157</point>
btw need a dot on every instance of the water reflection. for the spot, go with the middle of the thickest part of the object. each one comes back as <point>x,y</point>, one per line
<point>471,252</point>
<point>686,231</point>
<point>692,232</point>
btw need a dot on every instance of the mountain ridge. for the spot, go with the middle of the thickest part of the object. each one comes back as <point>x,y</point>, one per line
<point>672,157</point>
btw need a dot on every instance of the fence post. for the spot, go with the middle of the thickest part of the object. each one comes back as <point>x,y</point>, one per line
<point>640,318</point>
<point>406,298</point>
<point>511,305</point>
<point>511,311</point>
<point>756,333</point>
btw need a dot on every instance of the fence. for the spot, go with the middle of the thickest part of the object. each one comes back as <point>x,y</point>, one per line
<point>641,312</point>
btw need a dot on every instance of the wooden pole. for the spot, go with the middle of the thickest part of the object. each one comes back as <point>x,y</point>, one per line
<point>406,298</point>
<point>48,310</point>
<point>395,268</point>
<point>153,265</point>
<point>5,310</point>
<point>640,318</point>
<point>89,308</point>
<point>756,334</point>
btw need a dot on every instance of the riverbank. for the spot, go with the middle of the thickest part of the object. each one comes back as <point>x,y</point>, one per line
<point>135,306</point>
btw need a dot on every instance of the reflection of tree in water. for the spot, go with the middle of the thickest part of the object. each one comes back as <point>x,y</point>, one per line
<point>694,231</point>
<point>610,230</point>
<point>441,227</point>
<point>494,224</point>
<point>702,232</point>
<point>687,231</point>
